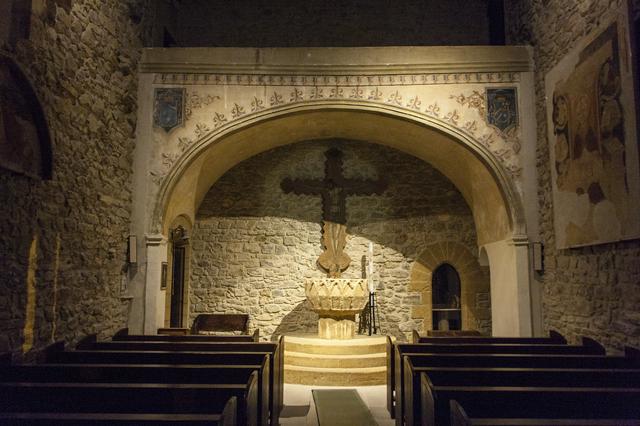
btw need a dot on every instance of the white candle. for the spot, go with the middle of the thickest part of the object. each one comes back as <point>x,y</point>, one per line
<point>370,269</point>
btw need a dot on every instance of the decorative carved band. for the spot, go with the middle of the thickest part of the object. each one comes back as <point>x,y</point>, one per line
<point>335,80</point>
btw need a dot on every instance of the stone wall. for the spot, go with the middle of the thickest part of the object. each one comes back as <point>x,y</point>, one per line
<point>253,245</point>
<point>81,58</point>
<point>592,291</point>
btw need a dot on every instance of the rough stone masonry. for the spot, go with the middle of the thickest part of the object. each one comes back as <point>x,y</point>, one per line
<point>81,58</point>
<point>253,245</point>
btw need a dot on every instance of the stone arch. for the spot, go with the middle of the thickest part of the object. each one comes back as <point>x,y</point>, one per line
<point>474,284</point>
<point>484,183</point>
<point>478,174</point>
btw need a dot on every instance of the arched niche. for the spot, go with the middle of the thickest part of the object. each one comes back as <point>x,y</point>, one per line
<point>487,188</point>
<point>474,302</point>
<point>445,298</point>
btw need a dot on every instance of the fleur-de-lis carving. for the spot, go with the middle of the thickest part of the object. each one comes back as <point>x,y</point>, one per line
<point>237,111</point>
<point>470,126</point>
<point>336,92</point>
<point>486,139</point>
<point>257,104</point>
<point>201,129</point>
<point>296,96</point>
<point>168,159</point>
<point>433,110</point>
<point>375,95</point>
<point>184,143</point>
<point>356,93</point>
<point>316,93</point>
<point>219,120</point>
<point>156,176</point>
<point>276,99</point>
<point>395,98</point>
<point>452,117</point>
<point>414,103</point>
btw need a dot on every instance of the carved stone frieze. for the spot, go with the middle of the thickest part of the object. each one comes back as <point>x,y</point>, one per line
<point>505,145</point>
<point>335,80</point>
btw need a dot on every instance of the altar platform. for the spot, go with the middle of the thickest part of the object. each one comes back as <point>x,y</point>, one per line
<point>310,360</point>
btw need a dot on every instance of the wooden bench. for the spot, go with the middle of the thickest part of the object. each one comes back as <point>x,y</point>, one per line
<point>504,377</point>
<point>459,417</point>
<point>131,373</point>
<point>452,333</point>
<point>216,353</point>
<point>172,331</point>
<point>394,364</point>
<point>226,418</point>
<point>275,349</point>
<point>528,402</point>
<point>553,338</point>
<point>508,361</point>
<point>123,335</point>
<point>222,323</point>
<point>130,398</point>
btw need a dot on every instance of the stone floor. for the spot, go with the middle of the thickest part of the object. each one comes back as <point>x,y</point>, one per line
<point>299,409</point>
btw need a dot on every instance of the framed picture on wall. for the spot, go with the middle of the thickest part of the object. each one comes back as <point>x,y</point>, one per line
<point>592,132</point>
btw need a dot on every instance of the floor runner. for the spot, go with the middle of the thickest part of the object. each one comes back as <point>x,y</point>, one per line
<point>341,407</point>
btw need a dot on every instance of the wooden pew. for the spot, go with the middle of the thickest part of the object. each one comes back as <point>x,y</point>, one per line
<point>507,377</point>
<point>226,418</point>
<point>553,338</point>
<point>275,349</point>
<point>507,361</point>
<point>123,335</point>
<point>131,373</point>
<point>130,398</point>
<point>532,402</point>
<point>394,364</point>
<point>215,355</point>
<point>459,417</point>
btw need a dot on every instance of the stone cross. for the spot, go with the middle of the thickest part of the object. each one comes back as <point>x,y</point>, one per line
<point>334,190</point>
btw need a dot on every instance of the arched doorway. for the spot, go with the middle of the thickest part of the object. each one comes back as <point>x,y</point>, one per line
<point>446,298</point>
<point>451,282</point>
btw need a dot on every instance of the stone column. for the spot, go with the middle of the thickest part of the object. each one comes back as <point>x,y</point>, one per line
<point>510,293</point>
<point>154,297</point>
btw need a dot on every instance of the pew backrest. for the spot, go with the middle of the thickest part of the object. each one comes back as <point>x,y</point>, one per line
<point>507,377</point>
<point>131,398</point>
<point>528,402</point>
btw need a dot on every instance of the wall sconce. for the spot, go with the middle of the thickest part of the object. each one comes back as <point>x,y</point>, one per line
<point>538,264</point>
<point>133,250</point>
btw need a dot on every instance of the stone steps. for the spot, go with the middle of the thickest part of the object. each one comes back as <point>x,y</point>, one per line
<point>309,360</point>
<point>335,361</point>
<point>364,376</point>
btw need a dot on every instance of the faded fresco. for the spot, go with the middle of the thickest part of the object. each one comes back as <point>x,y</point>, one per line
<point>593,147</point>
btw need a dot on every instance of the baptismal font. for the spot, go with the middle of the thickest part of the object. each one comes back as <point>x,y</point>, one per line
<point>336,300</point>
